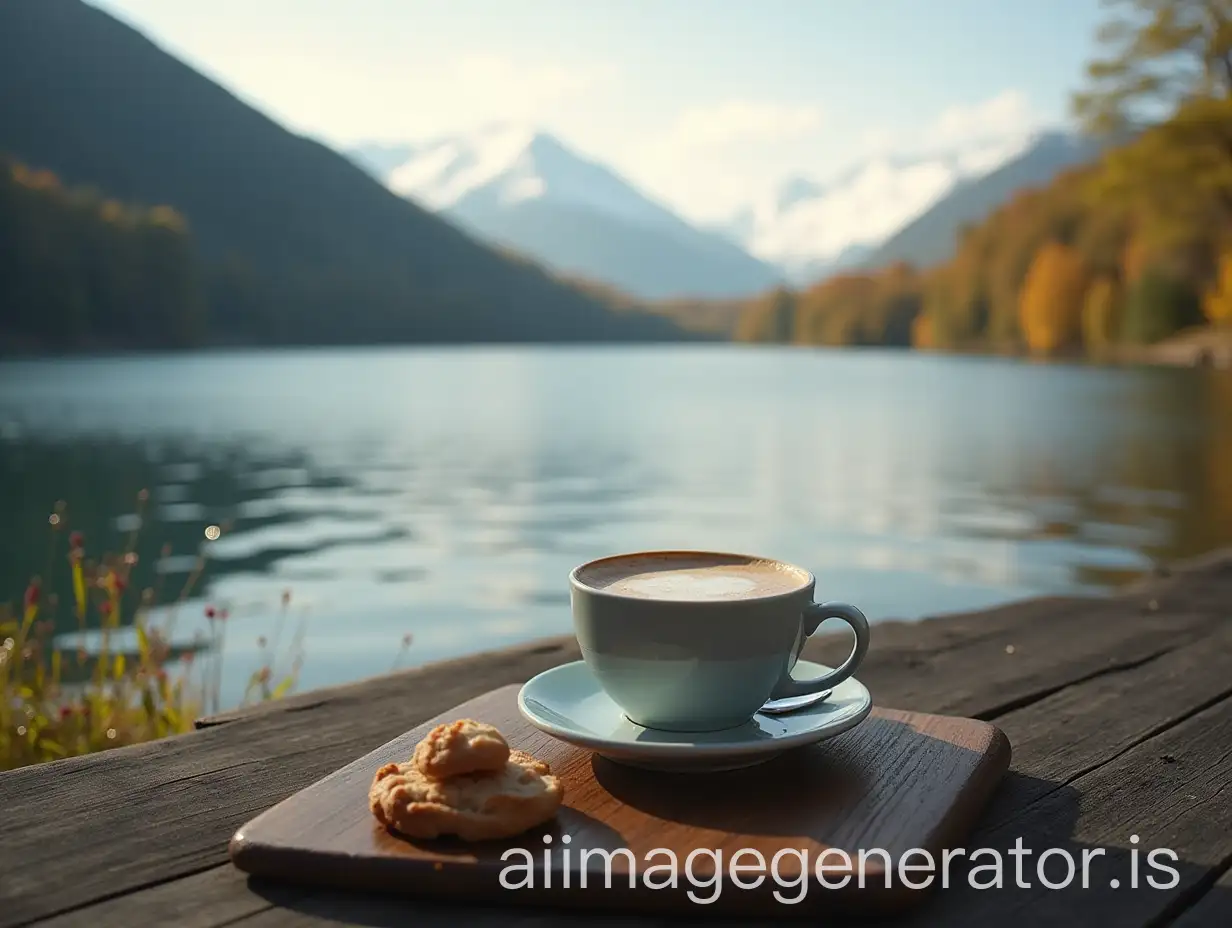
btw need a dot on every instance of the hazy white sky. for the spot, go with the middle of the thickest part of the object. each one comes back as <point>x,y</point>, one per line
<point>701,103</point>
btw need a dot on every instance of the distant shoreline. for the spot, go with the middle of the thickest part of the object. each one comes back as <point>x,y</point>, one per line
<point>1204,346</point>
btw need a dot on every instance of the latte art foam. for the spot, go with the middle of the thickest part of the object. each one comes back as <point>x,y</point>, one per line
<point>690,577</point>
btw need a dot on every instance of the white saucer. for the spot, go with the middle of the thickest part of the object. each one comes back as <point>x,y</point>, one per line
<point>568,703</point>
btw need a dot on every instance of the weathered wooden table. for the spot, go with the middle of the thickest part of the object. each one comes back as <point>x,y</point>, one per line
<point>1119,711</point>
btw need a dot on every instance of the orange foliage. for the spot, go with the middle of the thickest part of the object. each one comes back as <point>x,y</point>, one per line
<point>1051,299</point>
<point>1217,302</point>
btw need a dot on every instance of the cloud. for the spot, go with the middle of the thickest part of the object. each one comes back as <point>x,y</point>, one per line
<point>962,129</point>
<point>1008,113</point>
<point>733,121</point>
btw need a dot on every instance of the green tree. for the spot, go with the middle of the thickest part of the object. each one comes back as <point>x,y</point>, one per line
<point>1168,66</point>
<point>1159,55</point>
<point>1158,305</point>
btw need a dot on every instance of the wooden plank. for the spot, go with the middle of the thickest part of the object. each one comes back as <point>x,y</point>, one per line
<point>1213,909</point>
<point>215,897</point>
<point>1081,727</point>
<point>898,781</point>
<point>1178,806</point>
<point>1055,741</point>
<point>1170,792</point>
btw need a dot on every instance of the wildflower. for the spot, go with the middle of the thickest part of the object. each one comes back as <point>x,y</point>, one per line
<point>54,520</point>
<point>223,615</point>
<point>79,582</point>
<point>210,613</point>
<point>75,540</point>
<point>130,559</point>
<point>66,712</point>
<point>104,608</point>
<point>31,599</point>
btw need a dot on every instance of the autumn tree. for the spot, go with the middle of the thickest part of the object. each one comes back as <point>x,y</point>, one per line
<point>1159,56</point>
<point>769,319</point>
<point>1217,301</point>
<point>1168,67</point>
<point>1051,301</point>
<point>1099,315</point>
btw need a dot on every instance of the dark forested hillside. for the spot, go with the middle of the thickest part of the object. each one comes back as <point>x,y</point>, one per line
<point>78,270</point>
<point>297,244</point>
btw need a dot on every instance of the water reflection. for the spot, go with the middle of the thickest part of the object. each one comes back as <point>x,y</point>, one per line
<point>447,493</point>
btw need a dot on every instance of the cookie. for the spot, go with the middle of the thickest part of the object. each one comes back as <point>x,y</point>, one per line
<point>474,807</point>
<point>460,747</point>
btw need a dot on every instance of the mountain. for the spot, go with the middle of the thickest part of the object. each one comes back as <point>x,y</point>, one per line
<point>524,190</point>
<point>812,229</point>
<point>932,236</point>
<point>300,244</point>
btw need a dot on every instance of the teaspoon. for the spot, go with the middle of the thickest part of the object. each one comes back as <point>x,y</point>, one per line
<point>793,703</point>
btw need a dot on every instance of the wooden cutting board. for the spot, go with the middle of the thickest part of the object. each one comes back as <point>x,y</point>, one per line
<point>899,781</point>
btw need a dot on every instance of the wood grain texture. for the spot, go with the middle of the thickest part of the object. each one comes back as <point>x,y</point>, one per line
<point>121,838</point>
<point>1170,791</point>
<point>897,781</point>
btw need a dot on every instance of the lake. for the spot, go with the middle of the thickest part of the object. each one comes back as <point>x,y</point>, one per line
<point>445,493</point>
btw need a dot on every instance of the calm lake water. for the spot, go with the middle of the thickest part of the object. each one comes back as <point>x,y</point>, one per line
<point>446,493</point>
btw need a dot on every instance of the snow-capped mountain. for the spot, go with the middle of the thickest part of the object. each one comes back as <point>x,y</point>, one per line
<point>525,191</point>
<point>810,228</point>
<point>932,236</point>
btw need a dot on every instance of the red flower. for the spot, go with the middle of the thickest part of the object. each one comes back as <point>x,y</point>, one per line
<point>32,594</point>
<point>120,583</point>
<point>75,539</point>
<point>209,612</point>
<point>104,608</point>
<point>65,712</point>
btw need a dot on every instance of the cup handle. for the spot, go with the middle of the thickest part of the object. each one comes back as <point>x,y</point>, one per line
<point>814,615</point>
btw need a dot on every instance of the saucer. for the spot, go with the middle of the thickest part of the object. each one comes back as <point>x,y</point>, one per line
<point>568,703</point>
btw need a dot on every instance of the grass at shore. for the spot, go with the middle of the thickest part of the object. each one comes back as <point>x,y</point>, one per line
<point>58,701</point>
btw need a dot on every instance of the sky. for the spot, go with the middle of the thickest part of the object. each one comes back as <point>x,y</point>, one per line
<point>702,104</point>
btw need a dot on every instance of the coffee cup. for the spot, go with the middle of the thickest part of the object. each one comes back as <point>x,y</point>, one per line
<point>693,641</point>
